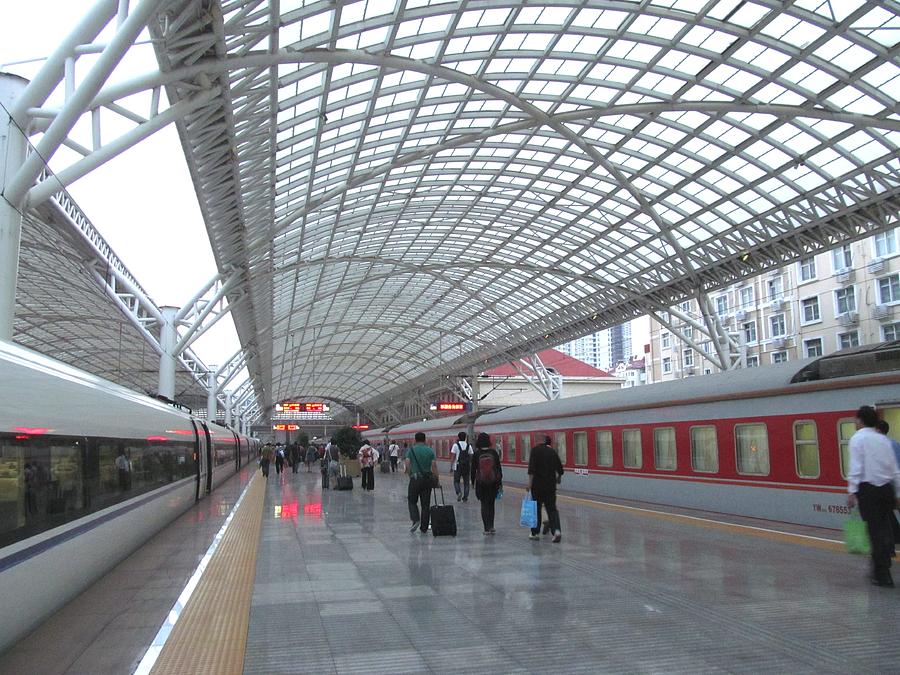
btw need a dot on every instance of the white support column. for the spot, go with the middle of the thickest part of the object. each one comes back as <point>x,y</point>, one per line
<point>13,146</point>
<point>228,402</point>
<point>168,338</point>
<point>211,404</point>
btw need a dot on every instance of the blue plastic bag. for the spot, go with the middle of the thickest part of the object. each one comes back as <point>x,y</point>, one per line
<point>529,512</point>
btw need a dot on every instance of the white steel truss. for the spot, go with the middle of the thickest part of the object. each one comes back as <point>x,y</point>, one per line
<point>412,190</point>
<point>548,382</point>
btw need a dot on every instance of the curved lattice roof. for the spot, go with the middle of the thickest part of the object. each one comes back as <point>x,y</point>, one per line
<point>416,188</point>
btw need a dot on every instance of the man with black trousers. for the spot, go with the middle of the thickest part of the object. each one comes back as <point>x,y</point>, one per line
<point>422,469</point>
<point>874,482</point>
<point>545,471</point>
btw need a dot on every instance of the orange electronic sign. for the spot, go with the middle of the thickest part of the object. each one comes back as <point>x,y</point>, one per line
<point>286,427</point>
<point>361,427</point>
<point>451,405</point>
<point>297,407</point>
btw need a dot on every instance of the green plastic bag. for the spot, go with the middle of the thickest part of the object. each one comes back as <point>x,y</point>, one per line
<point>856,536</point>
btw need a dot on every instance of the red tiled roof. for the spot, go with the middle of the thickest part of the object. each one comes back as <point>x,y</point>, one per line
<point>561,363</point>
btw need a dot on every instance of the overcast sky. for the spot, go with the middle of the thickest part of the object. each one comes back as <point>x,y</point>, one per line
<point>143,201</point>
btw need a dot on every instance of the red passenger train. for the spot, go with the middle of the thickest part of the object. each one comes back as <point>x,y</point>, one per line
<point>763,442</point>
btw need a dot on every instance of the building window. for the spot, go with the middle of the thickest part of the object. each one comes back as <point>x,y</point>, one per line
<point>889,289</point>
<point>667,365</point>
<point>707,346</point>
<point>846,428</point>
<point>559,439</point>
<point>776,288</point>
<point>890,332</point>
<point>631,448</point>
<point>810,307</point>
<point>885,243</point>
<point>704,449</point>
<point>665,339</point>
<point>722,305</point>
<point>776,323</point>
<point>808,268</point>
<point>753,362</point>
<point>842,258</point>
<point>779,357</point>
<point>526,447</point>
<point>806,449</point>
<point>664,454</point>
<point>751,443</point>
<point>688,332</point>
<point>688,357</point>
<point>812,347</point>
<point>850,339</point>
<point>746,297</point>
<point>604,448</point>
<point>845,300</point>
<point>749,331</point>
<point>685,306</point>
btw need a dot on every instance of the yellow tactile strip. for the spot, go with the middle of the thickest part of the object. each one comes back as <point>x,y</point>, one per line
<point>211,634</point>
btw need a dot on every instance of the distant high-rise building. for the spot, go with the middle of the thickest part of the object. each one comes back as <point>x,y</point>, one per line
<point>604,349</point>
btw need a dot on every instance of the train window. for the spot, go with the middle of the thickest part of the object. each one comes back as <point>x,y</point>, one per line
<point>631,448</point>
<point>846,428</point>
<point>751,444</point>
<point>664,455</point>
<point>806,449</point>
<point>511,445</point>
<point>560,443</point>
<point>526,447</point>
<point>580,449</point>
<point>704,449</point>
<point>604,448</point>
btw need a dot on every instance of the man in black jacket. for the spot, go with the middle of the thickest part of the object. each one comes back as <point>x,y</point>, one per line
<point>545,471</point>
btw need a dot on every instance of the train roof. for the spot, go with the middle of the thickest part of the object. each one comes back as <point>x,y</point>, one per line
<point>845,364</point>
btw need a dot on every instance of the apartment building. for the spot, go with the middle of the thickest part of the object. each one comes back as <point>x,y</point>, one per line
<point>603,349</point>
<point>846,297</point>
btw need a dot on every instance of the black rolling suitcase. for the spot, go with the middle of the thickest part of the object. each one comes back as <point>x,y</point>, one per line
<point>344,482</point>
<point>443,518</point>
<point>385,466</point>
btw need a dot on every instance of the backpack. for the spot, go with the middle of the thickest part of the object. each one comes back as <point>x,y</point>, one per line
<point>463,455</point>
<point>487,472</point>
<point>365,457</point>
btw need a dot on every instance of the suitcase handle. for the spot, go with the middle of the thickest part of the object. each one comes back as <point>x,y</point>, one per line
<point>441,487</point>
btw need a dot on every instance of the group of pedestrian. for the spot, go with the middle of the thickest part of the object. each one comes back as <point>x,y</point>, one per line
<point>481,466</point>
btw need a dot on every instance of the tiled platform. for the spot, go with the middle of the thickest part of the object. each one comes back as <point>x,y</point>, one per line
<point>343,587</point>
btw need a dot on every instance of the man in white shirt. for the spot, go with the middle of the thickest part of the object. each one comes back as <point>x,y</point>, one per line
<point>394,452</point>
<point>460,465</point>
<point>874,482</point>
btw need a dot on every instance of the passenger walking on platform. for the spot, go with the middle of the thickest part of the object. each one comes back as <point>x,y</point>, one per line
<point>545,471</point>
<point>394,452</point>
<point>874,482</point>
<point>279,458</point>
<point>461,465</point>
<point>422,469</point>
<point>367,457</point>
<point>297,457</point>
<point>333,456</point>
<point>487,475</point>
<point>265,459</point>
<point>885,428</point>
<point>311,456</point>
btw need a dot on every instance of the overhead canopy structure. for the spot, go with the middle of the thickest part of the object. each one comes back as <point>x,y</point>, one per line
<point>417,189</point>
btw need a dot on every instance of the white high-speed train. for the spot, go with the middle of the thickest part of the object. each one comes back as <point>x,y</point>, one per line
<point>89,471</point>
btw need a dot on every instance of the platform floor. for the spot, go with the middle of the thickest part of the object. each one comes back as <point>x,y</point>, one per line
<point>342,586</point>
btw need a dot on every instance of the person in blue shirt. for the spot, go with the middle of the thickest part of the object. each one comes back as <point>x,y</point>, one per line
<point>884,428</point>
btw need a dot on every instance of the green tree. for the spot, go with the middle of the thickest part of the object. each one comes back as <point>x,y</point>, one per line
<point>349,441</point>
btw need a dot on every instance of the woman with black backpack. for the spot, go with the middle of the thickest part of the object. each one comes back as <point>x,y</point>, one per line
<point>488,478</point>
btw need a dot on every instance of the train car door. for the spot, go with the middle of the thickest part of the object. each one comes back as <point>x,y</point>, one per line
<point>209,459</point>
<point>200,443</point>
<point>237,451</point>
<point>890,413</point>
